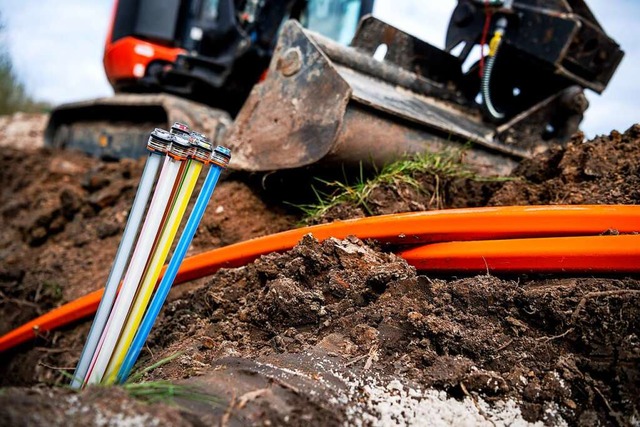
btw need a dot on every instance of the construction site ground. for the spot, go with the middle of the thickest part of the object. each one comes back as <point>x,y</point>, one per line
<point>339,332</point>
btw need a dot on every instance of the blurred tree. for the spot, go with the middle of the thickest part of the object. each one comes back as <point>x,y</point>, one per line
<point>13,95</point>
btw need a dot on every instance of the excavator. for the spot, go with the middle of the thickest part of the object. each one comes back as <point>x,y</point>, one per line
<point>289,84</point>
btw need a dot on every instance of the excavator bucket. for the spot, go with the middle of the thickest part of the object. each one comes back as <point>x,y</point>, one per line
<point>324,102</point>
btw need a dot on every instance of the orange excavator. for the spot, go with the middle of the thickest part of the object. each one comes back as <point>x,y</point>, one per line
<point>291,83</point>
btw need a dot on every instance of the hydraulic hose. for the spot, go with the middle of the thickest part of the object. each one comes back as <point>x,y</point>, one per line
<point>121,307</point>
<point>494,48</point>
<point>492,223</point>
<point>117,269</point>
<point>221,159</point>
<point>588,254</point>
<point>157,260</point>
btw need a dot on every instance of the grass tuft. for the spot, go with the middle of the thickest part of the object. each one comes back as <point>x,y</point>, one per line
<point>166,392</point>
<point>407,171</point>
<point>139,374</point>
<point>158,391</point>
<point>163,391</point>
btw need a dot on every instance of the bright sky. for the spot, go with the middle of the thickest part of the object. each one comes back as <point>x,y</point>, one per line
<point>57,45</point>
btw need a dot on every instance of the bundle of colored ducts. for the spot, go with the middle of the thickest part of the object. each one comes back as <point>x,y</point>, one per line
<point>127,310</point>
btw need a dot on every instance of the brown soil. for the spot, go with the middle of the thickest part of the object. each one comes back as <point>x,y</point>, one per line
<point>605,170</point>
<point>63,215</point>
<point>531,341</point>
<point>313,335</point>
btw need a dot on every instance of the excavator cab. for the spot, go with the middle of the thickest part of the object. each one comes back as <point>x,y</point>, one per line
<point>161,56</point>
<point>211,51</point>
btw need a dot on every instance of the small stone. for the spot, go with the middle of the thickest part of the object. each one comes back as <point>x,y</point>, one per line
<point>337,343</point>
<point>414,316</point>
<point>207,342</point>
<point>94,181</point>
<point>488,382</point>
<point>108,196</point>
<point>107,229</point>
<point>70,202</point>
<point>57,225</point>
<point>64,167</point>
<point>363,334</point>
<point>243,316</point>
<point>37,235</point>
<point>570,404</point>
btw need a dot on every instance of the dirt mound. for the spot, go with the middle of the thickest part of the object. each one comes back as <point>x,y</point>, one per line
<point>330,332</point>
<point>558,349</point>
<point>605,170</point>
<point>533,342</point>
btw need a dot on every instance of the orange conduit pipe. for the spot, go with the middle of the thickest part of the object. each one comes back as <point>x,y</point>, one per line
<point>590,254</point>
<point>406,229</point>
<point>426,227</point>
<point>68,313</point>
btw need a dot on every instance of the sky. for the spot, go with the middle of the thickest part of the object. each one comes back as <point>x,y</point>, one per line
<point>57,45</point>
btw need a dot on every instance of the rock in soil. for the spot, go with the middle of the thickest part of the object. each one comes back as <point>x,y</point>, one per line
<point>24,131</point>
